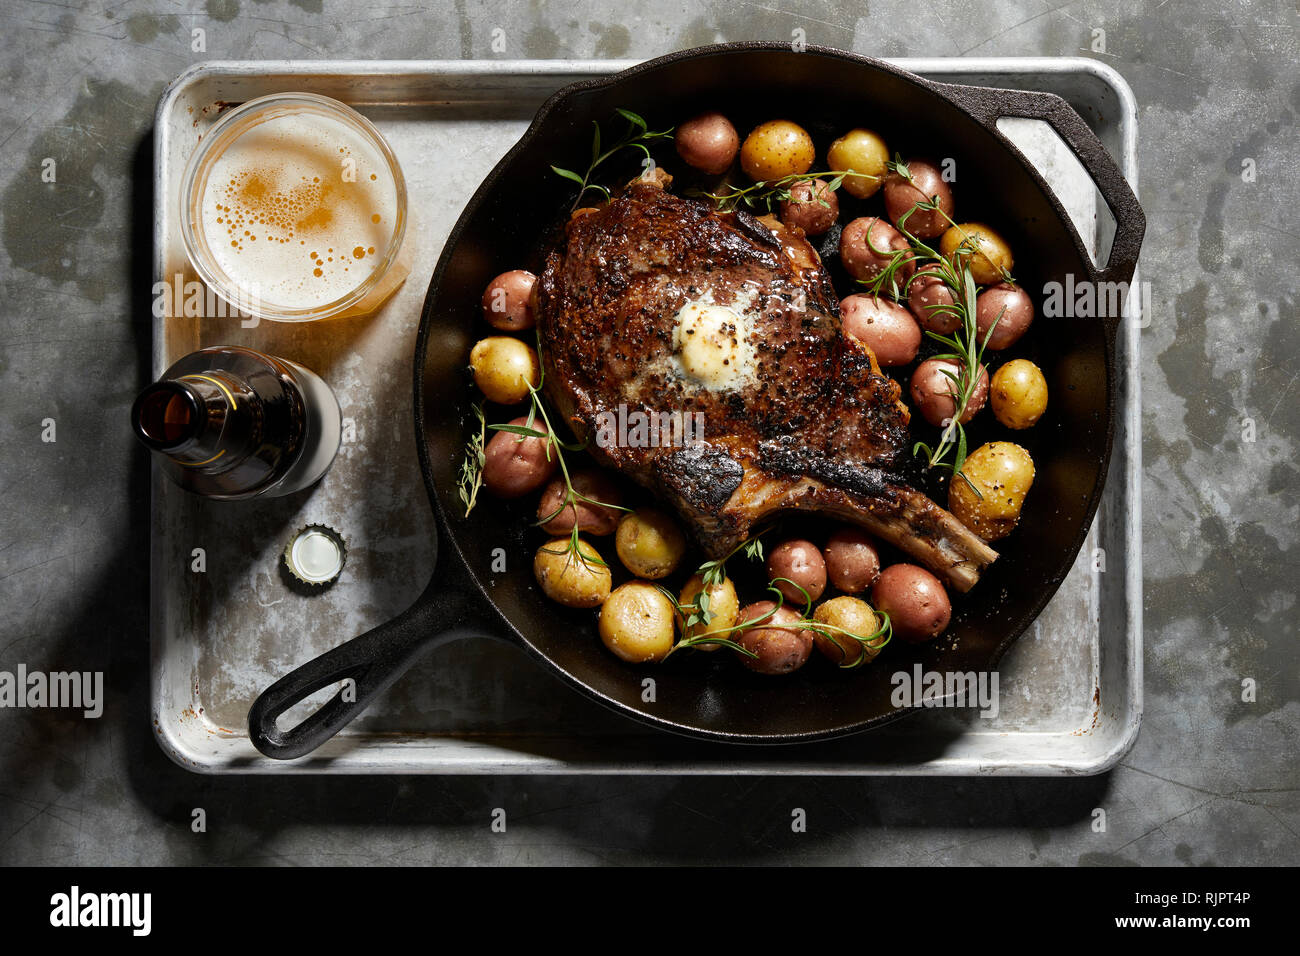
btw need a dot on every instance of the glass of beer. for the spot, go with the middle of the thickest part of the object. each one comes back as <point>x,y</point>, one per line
<point>293,208</point>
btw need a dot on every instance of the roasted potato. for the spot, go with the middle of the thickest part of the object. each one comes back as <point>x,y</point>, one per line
<point>707,142</point>
<point>801,562</point>
<point>723,606</point>
<point>867,246</point>
<point>1010,307</point>
<point>776,149</point>
<point>927,298</point>
<point>591,518</point>
<point>990,261</point>
<point>649,543</point>
<point>811,207</point>
<point>866,154</point>
<point>917,605</point>
<point>851,615</point>
<point>934,393</point>
<point>574,580</point>
<point>517,464</point>
<point>852,561</point>
<point>779,650</point>
<point>504,368</point>
<point>637,622</point>
<point>507,301</point>
<point>883,326</point>
<point>1003,472</point>
<point>925,184</point>
<point>1019,394</point>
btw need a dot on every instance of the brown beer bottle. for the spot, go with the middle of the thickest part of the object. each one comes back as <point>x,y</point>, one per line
<point>228,422</point>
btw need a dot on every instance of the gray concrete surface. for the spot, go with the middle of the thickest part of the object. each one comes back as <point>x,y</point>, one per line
<point>1212,780</point>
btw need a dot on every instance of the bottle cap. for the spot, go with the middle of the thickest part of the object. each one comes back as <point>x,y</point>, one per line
<point>316,555</point>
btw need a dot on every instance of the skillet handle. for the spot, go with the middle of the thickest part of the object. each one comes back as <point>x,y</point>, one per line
<point>988,105</point>
<point>446,611</point>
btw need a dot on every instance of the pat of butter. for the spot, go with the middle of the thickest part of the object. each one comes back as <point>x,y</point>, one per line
<point>712,344</point>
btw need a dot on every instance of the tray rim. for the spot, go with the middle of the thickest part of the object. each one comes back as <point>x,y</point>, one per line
<point>387,757</point>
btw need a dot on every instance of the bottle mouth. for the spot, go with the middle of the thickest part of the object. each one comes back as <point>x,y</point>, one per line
<point>166,415</point>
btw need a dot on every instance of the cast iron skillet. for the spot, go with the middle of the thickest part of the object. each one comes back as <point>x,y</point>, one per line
<point>828,91</point>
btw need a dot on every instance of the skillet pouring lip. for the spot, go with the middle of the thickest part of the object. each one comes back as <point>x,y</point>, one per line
<point>450,546</point>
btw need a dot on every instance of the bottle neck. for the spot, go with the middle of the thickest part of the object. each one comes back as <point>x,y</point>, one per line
<point>199,421</point>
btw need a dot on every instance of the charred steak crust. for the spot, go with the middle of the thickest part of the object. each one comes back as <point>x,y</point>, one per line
<point>700,477</point>
<point>808,422</point>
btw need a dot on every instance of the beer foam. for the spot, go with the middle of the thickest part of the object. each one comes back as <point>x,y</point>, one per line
<point>299,210</point>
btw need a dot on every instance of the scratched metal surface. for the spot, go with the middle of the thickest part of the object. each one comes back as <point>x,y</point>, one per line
<point>1208,781</point>
<point>226,634</point>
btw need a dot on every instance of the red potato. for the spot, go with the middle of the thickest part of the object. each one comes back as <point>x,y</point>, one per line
<point>780,650</point>
<point>591,519</point>
<point>707,142</point>
<point>802,563</point>
<point>852,561</point>
<point>867,245</point>
<point>917,605</point>
<point>883,326</point>
<point>805,207</point>
<point>1015,307</point>
<point>507,301</point>
<point>902,195</point>
<point>516,464</point>
<point>926,291</point>
<point>933,392</point>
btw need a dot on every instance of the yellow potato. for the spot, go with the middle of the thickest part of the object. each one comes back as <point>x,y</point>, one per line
<point>866,154</point>
<point>649,543</point>
<point>569,579</point>
<point>991,256</point>
<point>723,608</point>
<point>1019,394</point>
<point>636,622</point>
<point>1003,472</point>
<point>777,149</point>
<point>504,367</point>
<point>854,616</point>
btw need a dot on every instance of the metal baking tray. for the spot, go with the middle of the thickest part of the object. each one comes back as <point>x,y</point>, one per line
<point>1071,689</point>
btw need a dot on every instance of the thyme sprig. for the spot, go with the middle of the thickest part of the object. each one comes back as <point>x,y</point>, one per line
<point>471,477</point>
<point>713,573</point>
<point>471,469</point>
<point>571,494</point>
<point>761,195</point>
<point>896,165</point>
<point>636,136</point>
<point>872,642</point>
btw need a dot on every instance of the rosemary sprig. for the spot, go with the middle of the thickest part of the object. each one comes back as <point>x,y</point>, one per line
<point>898,258</point>
<point>471,469</point>
<point>966,348</point>
<point>635,136</point>
<point>761,195</point>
